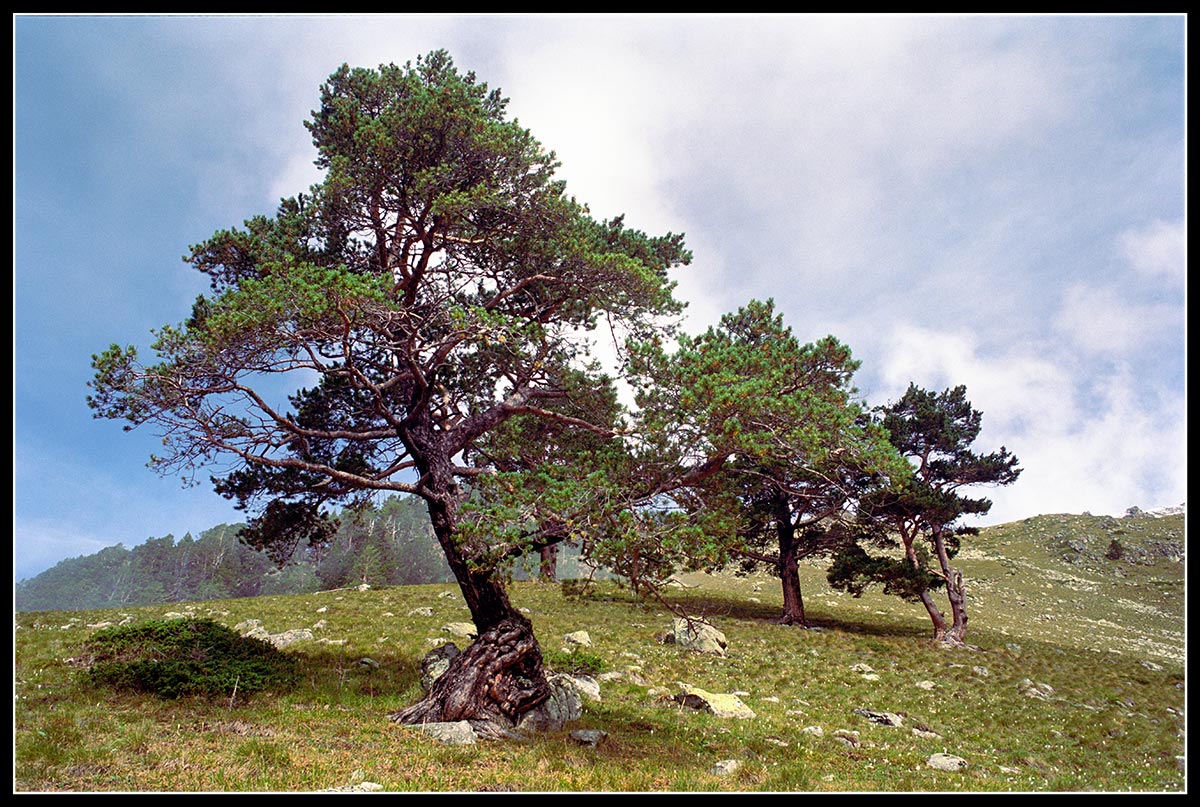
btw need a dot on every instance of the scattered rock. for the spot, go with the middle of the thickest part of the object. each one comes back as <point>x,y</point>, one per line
<point>721,705</point>
<point>1150,665</point>
<point>257,632</point>
<point>946,762</point>
<point>815,731</point>
<point>726,767</point>
<point>926,685</point>
<point>861,668</point>
<point>458,732</point>
<point>423,611</point>
<point>1031,689</point>
<point>446,595</point>
<point>319,624</point>
<point>981,671</point>
<point>366,661</point>
<point>579,638</point>
<point>926,734</point>
<point>850,738</point>
<point>587,686</point>
<point>881,718</point>
<point>589,738</point>
<point>288,637</point>
<point>465,630</point>
<point>699,636</point>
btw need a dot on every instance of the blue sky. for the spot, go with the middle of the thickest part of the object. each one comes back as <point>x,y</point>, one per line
<point>983,200</point>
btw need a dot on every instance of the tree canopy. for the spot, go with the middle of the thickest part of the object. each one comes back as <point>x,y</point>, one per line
<point>935,432</point>
<point>376,332</point>
<point>761,439</point>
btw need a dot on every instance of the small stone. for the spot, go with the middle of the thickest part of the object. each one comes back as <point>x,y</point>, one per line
<point>815,731</point>
<point>871,677</point>
<point>850,738</point>
<point>726,767</point>
<point>880,718</point>
<point>424,611</point>
<point>925,685</point>
<point>464,629</point>
<point>946,762</point>
<point>589,738</point>
<point>861,668</point>
<point>721,705</point>
<point>455,733</point>
<point>579,638</point>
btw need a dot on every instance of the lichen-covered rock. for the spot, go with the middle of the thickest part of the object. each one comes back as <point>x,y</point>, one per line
<point>288,637</point>
<point>465,630</point>
<point>721,705</point>
<point>436,662</point>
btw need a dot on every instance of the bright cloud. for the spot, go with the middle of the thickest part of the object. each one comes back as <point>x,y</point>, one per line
<point>1157,251</point>
<point>1086,441</point>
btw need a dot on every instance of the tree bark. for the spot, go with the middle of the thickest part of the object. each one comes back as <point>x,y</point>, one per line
<point>788,568</point>
<point>549,564</point>
<point>956,594</point>
<point>935,616</point>
<point>498,678</point>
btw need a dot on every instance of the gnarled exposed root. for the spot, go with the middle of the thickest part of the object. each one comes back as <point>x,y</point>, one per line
<point>497,678</point>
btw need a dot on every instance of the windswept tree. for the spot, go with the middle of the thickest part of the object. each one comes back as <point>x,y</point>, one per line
<point>377,332</point>
<point>761,439</point>
<point>935,432</point>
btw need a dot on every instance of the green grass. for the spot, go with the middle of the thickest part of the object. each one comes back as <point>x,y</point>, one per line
<point>1112,724</point>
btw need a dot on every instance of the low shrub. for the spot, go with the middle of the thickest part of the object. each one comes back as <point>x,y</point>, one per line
<point>173,658</point>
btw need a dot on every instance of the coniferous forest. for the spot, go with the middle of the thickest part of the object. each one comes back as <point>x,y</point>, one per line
<point>390,543</point>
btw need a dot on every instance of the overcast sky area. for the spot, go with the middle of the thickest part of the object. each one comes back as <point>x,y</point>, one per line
<point>990,201</point>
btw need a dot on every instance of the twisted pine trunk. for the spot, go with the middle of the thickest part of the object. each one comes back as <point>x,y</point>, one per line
<point>497,679</point>
<point>499,676</point>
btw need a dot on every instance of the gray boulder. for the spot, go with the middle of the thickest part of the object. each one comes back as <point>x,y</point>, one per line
<point>589,738</point>
<point>565,705</point>
<point>698,636</point>
<point>458,732</point>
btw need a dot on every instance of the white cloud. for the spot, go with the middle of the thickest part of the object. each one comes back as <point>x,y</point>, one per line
<point>1101,444</point>
<point>1103,319</point>
<point>1157,251</point>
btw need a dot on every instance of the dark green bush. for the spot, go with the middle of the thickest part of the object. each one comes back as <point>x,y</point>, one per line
<point>575,662</point>
<point>172,658</point>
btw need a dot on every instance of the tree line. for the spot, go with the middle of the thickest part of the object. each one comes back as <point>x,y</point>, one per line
<point>386,544</point>
<point>426,300</point>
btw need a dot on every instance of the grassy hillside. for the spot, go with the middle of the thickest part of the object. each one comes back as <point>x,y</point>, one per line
<point>1103,638</point>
